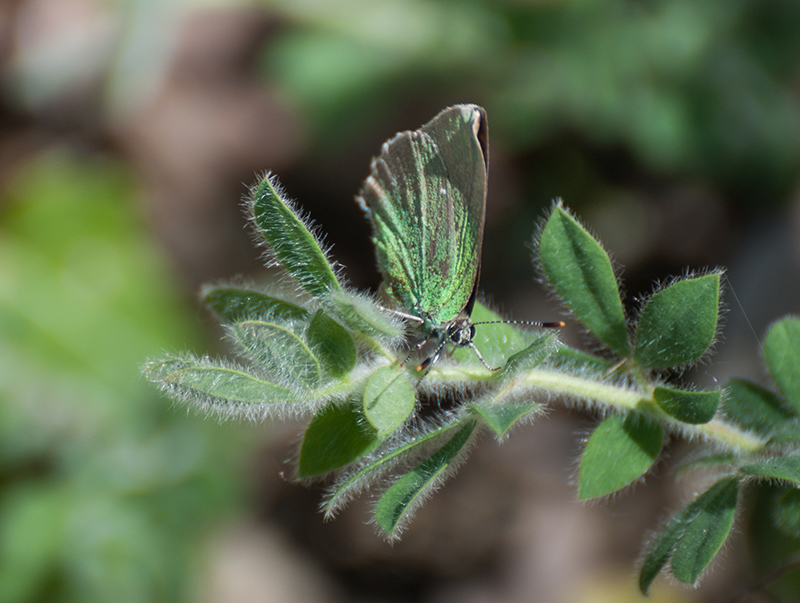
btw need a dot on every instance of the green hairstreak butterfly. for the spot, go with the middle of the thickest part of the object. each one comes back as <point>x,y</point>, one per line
<point>426,199</point>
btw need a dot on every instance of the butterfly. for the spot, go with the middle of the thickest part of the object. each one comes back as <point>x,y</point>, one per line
<point>426,199</point>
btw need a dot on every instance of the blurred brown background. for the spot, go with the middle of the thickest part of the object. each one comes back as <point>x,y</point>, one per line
<point>130,129</point>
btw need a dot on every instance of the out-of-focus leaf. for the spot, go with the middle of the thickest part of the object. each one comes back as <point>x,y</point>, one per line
<point>782,353</point>
<point>787,512</point>
<point>336,437</point>
<point>235,305</point>
<point>332,344</point>
<point>502,417</point>
<point>754,407</point>
<point>388,398</point>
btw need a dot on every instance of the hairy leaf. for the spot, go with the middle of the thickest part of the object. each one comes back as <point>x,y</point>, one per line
<point>659,553</point>
<point>332,344</point>
<point>706,524</point>
<point>363,314</point>
<point>694,536</point>
<point>234,305</point>
<point>782,354</point>
<point>786,468</point>
<point>386,458</point>
<point>580,271</point>
<point>678,323</point>
<point>753,407</point>
<point>536,353</point>
<point>502,417</point>
<point>336,437</point>
<point>388,399</point>
<point>688,406</point>
<point>282,352</point>
<point>289,238</point>
<point>401,499</point>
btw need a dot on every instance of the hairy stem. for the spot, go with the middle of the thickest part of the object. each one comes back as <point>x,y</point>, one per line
<point>592,391</point>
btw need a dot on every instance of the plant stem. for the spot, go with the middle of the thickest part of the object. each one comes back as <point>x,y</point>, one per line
<point>591,391</point>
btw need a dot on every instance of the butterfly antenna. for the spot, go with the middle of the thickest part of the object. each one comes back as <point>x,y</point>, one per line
<point>435,356</point>
<point>483,362</point>
<point>530,323</point>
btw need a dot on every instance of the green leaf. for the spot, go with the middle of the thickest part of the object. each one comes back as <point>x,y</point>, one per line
<point>35,524</point>
<point>336,437</point>
<point>659,553</point>
<point>388,398</point>
<point>234,305</point>
<point>786,468</point>
<point>332,344</point>
<point>197,380</point>
<point>399,502</point>
<point>501,417</point>
<point>678,323</point>
<point>787,512</point>
<point>580,271</point>
<point>707,522</point>
<point>619,452</point>
<point>280,351</point>
<point>290,239</point>
<point>387,458</point>
<point>782,354</point>
<point>754,407</point>
<point>536,353</point>
<point>687,406</point>
<point>694,536</point>
<point>363,314</point>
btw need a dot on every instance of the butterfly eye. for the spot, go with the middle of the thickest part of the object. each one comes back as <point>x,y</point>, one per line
<point>461,332</point>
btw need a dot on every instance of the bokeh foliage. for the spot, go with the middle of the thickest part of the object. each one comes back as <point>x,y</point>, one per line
<point>105,492</point>
<point>699,89</point>
<point>583,96</point>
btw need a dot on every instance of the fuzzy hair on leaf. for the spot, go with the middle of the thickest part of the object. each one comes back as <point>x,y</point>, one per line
<point>443,469</point>
<point>397,455</point>
<point>688,277</point>
<point>228,390</point>
<point>239,299</point>
<point>290,238</point>
<point>362,313</point>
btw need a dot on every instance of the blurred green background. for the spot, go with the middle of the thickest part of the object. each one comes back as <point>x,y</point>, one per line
<point>129,130</point>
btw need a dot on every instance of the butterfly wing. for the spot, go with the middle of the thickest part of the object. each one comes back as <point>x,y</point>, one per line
<point>426,199</point>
